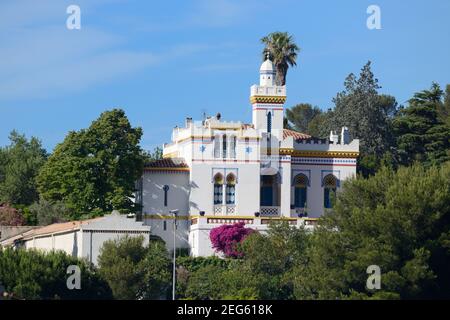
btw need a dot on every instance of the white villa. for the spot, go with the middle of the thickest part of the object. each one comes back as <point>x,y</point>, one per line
<point>217,172</point>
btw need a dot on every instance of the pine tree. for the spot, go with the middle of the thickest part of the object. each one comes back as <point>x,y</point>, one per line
<point>421,133</point>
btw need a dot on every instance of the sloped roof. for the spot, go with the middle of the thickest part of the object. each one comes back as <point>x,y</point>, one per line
<point>168,163</point>
<point>296,135</point>
<point>58,227</point>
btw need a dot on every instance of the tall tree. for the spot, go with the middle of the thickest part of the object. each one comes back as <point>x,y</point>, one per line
<point>20,163</point>
<point>421,133</point>
<point>365,112</point>
<point>95,169</point>
<point>282,50</point>
<point>301,116</point>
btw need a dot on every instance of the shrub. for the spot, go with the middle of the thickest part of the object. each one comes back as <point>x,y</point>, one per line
<point>226,238</point>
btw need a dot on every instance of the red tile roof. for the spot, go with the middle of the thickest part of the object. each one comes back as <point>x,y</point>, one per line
<point>169,163</point>
<point>296,135</point>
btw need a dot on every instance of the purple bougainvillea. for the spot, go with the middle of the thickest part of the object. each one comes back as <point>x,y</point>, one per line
<point>226,237</point>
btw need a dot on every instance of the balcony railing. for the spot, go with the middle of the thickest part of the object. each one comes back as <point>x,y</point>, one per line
<point>224,209</point>
<point>270,211</point>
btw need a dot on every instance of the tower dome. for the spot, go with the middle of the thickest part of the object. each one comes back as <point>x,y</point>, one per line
<point>267,73</point>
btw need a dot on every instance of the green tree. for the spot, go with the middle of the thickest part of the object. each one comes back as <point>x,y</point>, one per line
<point>20,163</point>
<point>95,169</point>
<point>134,271</point>
<point>301,116</point>
<point>421,133</point>
<point>399,221</point>
<point>365,112</point>
<point>47,213</point>
<point>282,50</point>
<point>157,154</point>
<point>32,274</point>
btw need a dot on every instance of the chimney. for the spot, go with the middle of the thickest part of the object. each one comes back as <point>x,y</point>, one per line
<point>188,122</point>
<point>334,137</point>
<point>345,136</point>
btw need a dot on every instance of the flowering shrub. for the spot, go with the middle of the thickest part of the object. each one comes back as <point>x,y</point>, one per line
<point>10,216</point>
<point>226,237</point>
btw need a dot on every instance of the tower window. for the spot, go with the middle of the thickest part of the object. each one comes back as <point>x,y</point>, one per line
<point>269,122</point>
<point>224,146</point>
<point>217,146</point>
<point>233,147</point>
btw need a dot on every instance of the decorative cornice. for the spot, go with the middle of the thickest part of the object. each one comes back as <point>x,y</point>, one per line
<point>319,154</point>
<point>268,99</point>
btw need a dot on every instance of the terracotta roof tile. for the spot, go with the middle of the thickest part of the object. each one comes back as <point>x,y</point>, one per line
<point>296,135</point>
<point>176,163</point>
<point>57,227</point>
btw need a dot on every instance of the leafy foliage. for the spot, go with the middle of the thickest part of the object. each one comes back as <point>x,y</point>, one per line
<point>134,271</point>
<point>95,169</point>
<point>422,135</point>
<point>47,213</point>
<point>30,274</point>
<point>282,50</point>
<point>399,221</point>
<point>300,118</point>
<point>20,163</point>
<point>366,113</point>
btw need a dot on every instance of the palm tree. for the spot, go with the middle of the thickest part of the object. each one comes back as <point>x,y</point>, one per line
<point>282,51</point>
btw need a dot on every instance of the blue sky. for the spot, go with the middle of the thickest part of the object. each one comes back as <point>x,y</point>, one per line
<point>164,60</point>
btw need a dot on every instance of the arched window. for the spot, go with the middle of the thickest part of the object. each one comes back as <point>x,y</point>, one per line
<point>300,187</point>
<point>224,146</point>
<point>217,146</point>
<point>230,193</point>
<point>233,147</point>
<point>329,187</point>
<point>218,189</point>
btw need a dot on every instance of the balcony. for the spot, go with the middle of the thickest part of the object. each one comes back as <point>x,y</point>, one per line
<point>269,211</point>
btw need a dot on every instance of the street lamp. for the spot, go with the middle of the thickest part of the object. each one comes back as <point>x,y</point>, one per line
<point>175,213</point>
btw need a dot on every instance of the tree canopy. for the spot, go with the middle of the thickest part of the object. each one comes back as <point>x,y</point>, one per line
<point>95,169</point>
<point>20,163</point>
<point>134,271</point>
<point>421,131</point>
<point>399,221</point>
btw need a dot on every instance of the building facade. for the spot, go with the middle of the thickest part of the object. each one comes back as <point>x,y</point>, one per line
<point>215,172</point>
<point>81,239</point>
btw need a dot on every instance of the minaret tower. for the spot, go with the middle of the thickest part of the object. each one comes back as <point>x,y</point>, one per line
<point>267,101</point>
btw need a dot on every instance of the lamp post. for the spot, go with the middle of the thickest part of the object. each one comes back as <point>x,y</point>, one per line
<point>175,213</point>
